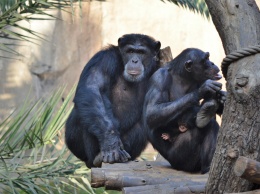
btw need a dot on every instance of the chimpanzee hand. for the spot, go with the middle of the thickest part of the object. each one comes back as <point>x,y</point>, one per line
<point>221,96</point>
<point>113,151</point>
<point>209,87</point>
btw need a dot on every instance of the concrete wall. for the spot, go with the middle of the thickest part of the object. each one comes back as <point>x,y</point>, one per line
<point>73,40</point>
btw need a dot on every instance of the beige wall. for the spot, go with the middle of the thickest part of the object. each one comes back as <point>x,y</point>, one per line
<point>173,26</point>
<point>73,40</point>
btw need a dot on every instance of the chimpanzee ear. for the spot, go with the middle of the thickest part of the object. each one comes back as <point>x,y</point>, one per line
<point>157,45</point>
<point>119,40</point>
<point>188,65</point>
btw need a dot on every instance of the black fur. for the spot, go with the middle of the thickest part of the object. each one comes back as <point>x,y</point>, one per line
<point>173,97</point>
<point>106,119</point>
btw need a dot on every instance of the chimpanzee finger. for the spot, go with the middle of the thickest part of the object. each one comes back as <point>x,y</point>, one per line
<point>105,158</point>
<point>111,158</point>
<point>124,156</point>
<point>211,82</point>
<point>211,91</point>
<point>222,101</point>
<point>221,96</point>
<point>116,156</point>
<point>216,88</point>
<point>217,83</point>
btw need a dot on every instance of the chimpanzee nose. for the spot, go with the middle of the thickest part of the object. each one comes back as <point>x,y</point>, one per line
<point>135,60</point>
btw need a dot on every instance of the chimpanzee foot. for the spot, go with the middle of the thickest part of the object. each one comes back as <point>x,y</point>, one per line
<point>165,136</point>
<point>207,111</point>
<point>98,160</point>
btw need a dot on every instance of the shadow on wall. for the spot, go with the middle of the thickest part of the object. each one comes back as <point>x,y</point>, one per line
<point>44,66</point>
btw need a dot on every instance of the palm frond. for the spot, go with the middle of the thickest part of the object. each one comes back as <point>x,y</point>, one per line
<point>197,6</point>
<point>13,11</point>
<point>33,156</point>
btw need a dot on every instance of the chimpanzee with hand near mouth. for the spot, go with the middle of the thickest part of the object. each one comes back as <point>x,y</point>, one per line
<point>178,126</point>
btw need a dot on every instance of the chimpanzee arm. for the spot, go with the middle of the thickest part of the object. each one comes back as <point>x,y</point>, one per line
<point>160,110</point>
<point>94,109</point>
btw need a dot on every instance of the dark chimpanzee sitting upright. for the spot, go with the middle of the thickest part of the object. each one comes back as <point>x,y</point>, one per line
<point>105,124</point>
<point>173,99</point>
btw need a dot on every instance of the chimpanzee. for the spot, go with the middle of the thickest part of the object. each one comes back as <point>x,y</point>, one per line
<point>199,116</point>
<point>105,124</point>
<point>182,130</point>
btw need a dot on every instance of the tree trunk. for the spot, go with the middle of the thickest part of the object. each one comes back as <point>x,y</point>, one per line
<point>238,24</point>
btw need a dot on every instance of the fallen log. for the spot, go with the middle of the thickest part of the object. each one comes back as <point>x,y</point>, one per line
<point>170,188</point>
<point>117,176</point>
<point>247,192</point>
<point>248,169</point>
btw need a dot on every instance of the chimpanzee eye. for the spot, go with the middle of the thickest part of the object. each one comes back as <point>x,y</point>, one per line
<point>130,51</point>
<point>141,52</point>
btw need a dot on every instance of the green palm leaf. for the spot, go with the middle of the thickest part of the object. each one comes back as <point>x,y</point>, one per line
<point>33,156</point>
<point>197,6</point>
<point>13,11</point>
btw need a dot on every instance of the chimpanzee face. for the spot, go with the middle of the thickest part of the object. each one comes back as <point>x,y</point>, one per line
<point>202,68</point>
<point>134,56</point>
<point>139,58</point>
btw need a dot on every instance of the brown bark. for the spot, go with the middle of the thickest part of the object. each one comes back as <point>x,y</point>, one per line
<point>165,55</point>
<point>248,169</point>
<point>165,188</point>
<point>238,24</point>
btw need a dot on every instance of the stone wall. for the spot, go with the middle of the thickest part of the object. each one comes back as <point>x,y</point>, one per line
<point>72,40</point>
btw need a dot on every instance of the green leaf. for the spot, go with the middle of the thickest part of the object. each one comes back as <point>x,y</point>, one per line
<point>32,160</point>
<point>13,11</point>
<point>196,6</point>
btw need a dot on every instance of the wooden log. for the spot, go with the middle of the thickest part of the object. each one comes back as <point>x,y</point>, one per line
<point>170,188</point>
<point>247,192</point>
<point>165,55</point>
<point>116,181</point>
<point>117,176</point>
<point>248,169</point>
<point>139,165</point>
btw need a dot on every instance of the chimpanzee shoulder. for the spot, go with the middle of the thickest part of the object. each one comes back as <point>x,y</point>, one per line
<point>108,60</point>
<point>161,78</point>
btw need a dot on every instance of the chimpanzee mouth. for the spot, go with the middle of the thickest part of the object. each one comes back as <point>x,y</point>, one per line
<point>133,76</point>
<point>133,73</point>
<point>217,76</point>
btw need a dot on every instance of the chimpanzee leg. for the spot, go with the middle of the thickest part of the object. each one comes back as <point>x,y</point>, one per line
<point>206,112</point>
<point>80,142</point>
<point>208,146</point>
<point>91,146</point>
<point>183,154</point>
<point>135,141</point>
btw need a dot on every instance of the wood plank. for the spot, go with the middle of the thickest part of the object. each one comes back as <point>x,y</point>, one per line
<point>117,176</point>
<point>170,188</point>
